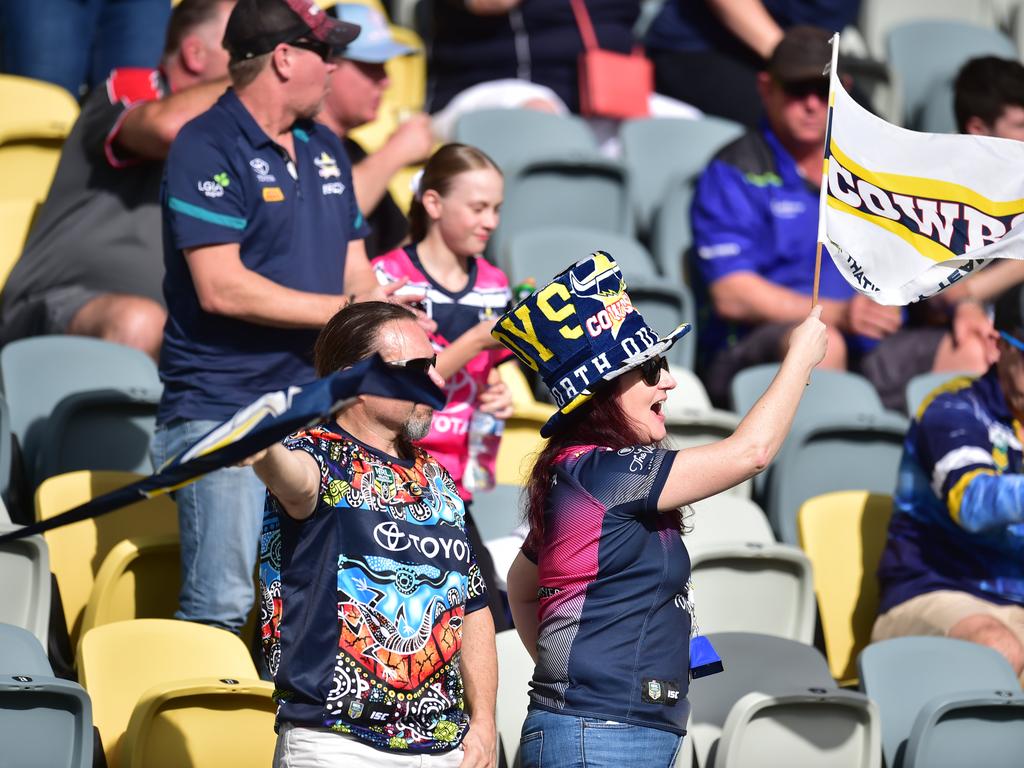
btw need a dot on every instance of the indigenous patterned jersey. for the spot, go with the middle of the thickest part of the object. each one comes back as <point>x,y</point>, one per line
<point>486,295</point>
<point>615,615</point>
<point>959,504</point>
<point>363,602</point>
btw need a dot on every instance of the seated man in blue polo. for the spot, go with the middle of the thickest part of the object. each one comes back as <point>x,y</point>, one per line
<point>262,245</point>
<point>953,564</point>
<point>755,226</point>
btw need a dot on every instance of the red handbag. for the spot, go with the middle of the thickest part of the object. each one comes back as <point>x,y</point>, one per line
<point>612,84</point>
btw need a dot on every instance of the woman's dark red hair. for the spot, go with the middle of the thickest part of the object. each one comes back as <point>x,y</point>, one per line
<point>602,422</point>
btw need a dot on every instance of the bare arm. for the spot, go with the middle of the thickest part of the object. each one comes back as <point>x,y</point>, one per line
<point>410,143</point>
<point>987,284</point>
<point>479,665</point>
<point>750,22</point>
<point>454,357</point>
<point>148,129</point>
<point>225,286</point>
<point>523,601</point>
<point>292,476</point>
<point>746,297</point>
<point>490,7</point>
<point>700,472</point>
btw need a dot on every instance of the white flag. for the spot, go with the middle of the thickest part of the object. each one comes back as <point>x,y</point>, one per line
<point>907,214</point>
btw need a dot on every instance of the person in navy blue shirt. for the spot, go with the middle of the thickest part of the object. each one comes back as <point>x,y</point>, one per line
<point>262,244</point>
<point>755,226</point>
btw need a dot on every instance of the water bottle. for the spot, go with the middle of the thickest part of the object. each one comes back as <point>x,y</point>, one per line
<point>484,437</point>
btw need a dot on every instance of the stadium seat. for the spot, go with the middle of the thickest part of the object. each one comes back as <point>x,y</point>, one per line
<point>25,576</point>
<point>808,729</point>
<point>78,550</point>
<point>585,192</point>
<point>16,216</point>
<point>753,587</point>
<point>923,386</point>
<point>830,392</point>
<point>878,17</point>
<point>6,454</point>
<point>497,512</point>
<point>515,670</point>
<point>657,151</point>
<point>512,137</point>
<point>119,663</point>
<point>44,722</point>
<point>35,118</point>
<point>844,534</point>
<point>726,519</point>
<point>839,453</point>
<point>520,443</point>
<point>202,722</point>
<point>984,727</point>
<point>138,579</point>
<point>908,676</point>
<point>753,663</point>
<point>541,253</point>
<point>924,54</point>
<point>121,421</point>
<point>670,236</point>
<point>38,373</point>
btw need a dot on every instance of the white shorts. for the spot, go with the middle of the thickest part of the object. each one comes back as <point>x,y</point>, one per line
<point>299,747</point>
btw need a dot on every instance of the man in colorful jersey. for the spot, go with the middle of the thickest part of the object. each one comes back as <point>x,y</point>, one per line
<point>263,244</point>
<point>755,225</point>
<point>93,263</point>
<point>390,662</point>
<point>954,561</point>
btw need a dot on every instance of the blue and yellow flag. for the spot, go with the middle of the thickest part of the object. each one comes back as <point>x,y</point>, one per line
<point>269,419</point>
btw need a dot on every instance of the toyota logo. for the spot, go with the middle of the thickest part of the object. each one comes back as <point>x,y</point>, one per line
<point>389,537</point>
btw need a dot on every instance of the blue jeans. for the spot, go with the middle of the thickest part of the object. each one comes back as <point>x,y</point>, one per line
<point>71,42</point>
<point>219,518</point>
<point>567,741</point>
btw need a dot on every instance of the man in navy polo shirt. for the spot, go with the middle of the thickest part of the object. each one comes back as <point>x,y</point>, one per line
<point>262,244</point>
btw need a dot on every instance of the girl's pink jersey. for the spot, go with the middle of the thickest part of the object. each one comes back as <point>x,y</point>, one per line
<point>486,295</point>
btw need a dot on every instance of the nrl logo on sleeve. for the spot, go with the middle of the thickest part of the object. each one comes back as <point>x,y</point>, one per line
<point>664,692</point>
<point>327,165</point>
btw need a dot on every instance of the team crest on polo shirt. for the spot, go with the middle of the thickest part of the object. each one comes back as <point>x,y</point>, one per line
<point>327,165</point>
<point>262,170</point>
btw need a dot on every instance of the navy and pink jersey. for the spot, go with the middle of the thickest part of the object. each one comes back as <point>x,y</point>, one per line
<point>486,295</point>
<point>614,631</point>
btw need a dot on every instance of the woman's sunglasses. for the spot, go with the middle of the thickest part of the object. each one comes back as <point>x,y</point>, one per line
<point>422,364</point>
<point>651,370</point>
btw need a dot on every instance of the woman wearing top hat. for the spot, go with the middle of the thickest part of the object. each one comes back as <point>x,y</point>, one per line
<point>599,592</point>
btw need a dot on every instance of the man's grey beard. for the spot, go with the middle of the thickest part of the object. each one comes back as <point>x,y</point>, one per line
<point>418,425</point>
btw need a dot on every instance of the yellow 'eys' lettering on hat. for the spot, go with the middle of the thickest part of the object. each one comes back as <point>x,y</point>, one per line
<point>567,310</point>
<point>526,333</point>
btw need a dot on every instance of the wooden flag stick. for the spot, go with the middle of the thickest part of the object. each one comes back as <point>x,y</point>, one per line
<point>817,275</point>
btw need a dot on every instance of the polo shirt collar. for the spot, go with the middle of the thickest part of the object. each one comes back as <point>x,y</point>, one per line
<point>784,162</point>
<point>251,130</point>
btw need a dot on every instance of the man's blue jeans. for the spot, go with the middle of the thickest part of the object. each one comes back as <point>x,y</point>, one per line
<point>219,517</point>
<point>567,741</point>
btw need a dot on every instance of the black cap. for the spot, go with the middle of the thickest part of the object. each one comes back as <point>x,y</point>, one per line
<point>803,54</point>
<point>1009,315</point>
<point>256,27</point>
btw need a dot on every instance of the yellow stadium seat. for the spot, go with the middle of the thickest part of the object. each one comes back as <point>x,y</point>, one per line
<point>375,4</point>
<point>119,663</point>
<point>16,216</point>
<point>202,723</point>
<point>138,579</point>
<point>521,440</point>
<point>35,118</point>
<point>843,535</point>
<point>78,550</point>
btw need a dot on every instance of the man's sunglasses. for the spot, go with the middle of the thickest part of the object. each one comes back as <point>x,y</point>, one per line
<point>651,370</point>
<point>325,51</point>
<point>422,364</point>
<point>804,88</point>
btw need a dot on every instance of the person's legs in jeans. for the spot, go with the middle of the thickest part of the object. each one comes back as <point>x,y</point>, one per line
<point>219,519</point>
<point>49,39</point>
<point>568,741</point>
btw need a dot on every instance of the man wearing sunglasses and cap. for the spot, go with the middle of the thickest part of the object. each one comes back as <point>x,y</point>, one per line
<point>755,227</point>
<point>953,564</point>
<point>262,245</point>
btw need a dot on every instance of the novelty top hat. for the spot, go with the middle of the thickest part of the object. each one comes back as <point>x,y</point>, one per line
<point>579,330</point>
